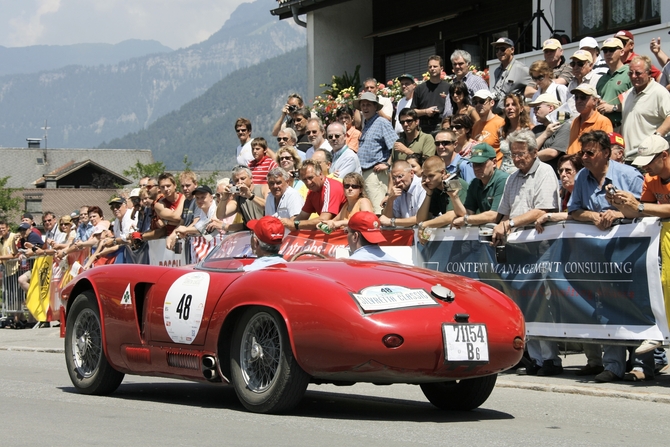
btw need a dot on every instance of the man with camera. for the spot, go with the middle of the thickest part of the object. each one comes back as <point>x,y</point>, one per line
<point>285,120</point>
<point>437,209</point>
<point>529,193</point>
<point>552,135</point>
<point>248,200</point>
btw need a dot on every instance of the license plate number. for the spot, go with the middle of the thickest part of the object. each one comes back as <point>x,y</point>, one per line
<point>465,342</point>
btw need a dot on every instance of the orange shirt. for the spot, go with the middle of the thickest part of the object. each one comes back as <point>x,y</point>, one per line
<point>353,135</point>
<point>595,122</point>
<point>487,132</point>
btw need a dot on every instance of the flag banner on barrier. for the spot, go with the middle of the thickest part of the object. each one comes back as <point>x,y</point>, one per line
<point>159,255</point>
<point>37,298</point>
<point>571,281</point>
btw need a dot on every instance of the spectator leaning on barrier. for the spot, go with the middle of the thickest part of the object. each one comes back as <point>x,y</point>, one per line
<point>283,200</point>
<point>552,136</point>
<point>568,167</point>
<point>374,150</point>
<point>170,206</point>
<point>412,140</point>
<point>646,109</point>
<point>189,182</point>
<point>248,199</point>
<point>484,192</point>
<point>345,160</point>
<point>618,147</point>
<point>123,225</point>
<point>405,197</point>
<point>437,209</point>
<point>31,243</point>
<point>205,212</point>
<point>591,202</point>
<point>50,224</point>
<point>325,197</point>
<point>529,192</point>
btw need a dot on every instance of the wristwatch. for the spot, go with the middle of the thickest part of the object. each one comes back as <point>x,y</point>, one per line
<point>549,217</point>
<point>615,108</point>
<point>511,223</point>
<point>393,221</point>
<point>640,208</point>
<point>297,224</point>
<point>465,219</point>
<point>252,196</point>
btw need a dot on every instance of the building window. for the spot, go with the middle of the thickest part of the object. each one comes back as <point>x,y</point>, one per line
<point>598,17</point>
<point>413,62</point>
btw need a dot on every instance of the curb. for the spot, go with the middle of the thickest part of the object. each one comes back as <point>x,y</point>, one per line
<point>25,349</point>
<point>586,391</point>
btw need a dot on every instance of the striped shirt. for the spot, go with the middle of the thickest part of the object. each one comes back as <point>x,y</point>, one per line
<point>260,169</point>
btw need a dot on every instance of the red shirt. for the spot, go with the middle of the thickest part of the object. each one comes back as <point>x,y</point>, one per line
<point>260,169</point>
<point>172,205</point>
<point>329,200</point>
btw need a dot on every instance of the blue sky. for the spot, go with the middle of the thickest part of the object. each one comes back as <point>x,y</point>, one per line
<point>175,23</point>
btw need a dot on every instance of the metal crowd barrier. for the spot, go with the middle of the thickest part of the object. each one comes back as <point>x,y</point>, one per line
<point>13,297</point>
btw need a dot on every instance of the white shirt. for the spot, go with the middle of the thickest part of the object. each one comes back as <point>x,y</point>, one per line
<point>244,155</point>
<point>325,145</point>
<point>345,161</point>
<point>263,262</point>
<point>127,226</point>
<point>372,253</point>
<point>290,204</point>
<point>409,202</point>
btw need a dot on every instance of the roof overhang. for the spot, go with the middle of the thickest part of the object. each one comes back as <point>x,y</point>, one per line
<point>290,8</point>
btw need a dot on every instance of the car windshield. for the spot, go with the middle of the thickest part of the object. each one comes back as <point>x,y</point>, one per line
<point>235,248</point>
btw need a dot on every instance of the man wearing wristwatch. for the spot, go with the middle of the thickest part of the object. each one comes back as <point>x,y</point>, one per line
<point>248,200</point>
<point>325,198</point>
<point>404,198</point>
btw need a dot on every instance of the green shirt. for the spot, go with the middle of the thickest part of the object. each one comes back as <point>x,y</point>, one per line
<point>610,86</point>
<point>439,200</point>
<point>482,198</point>
<point>423,144</point>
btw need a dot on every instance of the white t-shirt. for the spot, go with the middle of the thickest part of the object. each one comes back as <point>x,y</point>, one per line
<point>128,225</point>
<point>325,145</point>
<point>244,155</point>
<point>290,204</point>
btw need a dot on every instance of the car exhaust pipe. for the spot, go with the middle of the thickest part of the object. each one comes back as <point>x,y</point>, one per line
<point>209,368</point>
<point>209,362</point>
<point>210,374</point>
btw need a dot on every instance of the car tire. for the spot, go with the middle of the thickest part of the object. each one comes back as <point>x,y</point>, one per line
<point>462,395</point>
<point>87,365</point>
<point>264,372</point>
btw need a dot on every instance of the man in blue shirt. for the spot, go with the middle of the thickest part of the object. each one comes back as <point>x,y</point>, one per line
<point>590,202</point>
<point>374,149</point>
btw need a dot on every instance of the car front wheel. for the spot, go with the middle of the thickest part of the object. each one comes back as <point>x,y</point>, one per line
<point>461,395</point>
<point>264,372</point>
<point>86,362</point>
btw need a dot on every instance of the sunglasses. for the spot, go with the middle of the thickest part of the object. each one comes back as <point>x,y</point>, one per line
<point>457,127</point>
<point>334,136</point>
<point>280,139</point>
<point>312,132</point>
<point>538,78</point>
<point>444,142</point>
<point>586,153</point>
<point>579,64</point>
<point>116,206</point>
<point>501,49</point>
<point>351,186</point>
<point>565,171</point>
<point>151,186</point>
<point>286,157</point>
<point>609,50</point>
<point>240,130</point>
<point>579,97</point>
<point>407,121</point>
<point>477,101</point>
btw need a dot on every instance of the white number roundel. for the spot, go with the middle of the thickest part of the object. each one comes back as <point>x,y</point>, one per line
<point>184,305</point>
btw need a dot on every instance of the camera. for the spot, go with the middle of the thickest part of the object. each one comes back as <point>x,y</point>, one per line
<point>611,190</point>
<point>452,183</point>
<point>292,108</point>
<point>178,245</point>
<point>234,189</point>
<point>295,174</point>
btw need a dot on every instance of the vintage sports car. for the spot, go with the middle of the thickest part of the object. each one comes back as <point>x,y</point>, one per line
<point>273,331</point>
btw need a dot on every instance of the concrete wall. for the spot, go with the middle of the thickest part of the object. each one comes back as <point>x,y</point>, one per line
<point>339,45</point>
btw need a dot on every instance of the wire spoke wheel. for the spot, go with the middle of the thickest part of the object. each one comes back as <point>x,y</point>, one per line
<point>260,352</point>
<point>86,343</point>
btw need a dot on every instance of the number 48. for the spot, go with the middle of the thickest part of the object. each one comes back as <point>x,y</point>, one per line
<point>184,306</point>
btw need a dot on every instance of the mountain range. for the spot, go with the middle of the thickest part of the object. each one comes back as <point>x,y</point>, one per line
<point>88,105</point>
<point>204,128</point>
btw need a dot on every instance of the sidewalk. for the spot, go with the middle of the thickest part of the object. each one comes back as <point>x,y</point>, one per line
<point>657,390</point>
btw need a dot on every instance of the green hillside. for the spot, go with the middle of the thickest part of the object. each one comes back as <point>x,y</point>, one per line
<point>203,128</point>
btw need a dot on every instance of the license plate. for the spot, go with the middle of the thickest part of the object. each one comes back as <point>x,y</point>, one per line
<point>465,342</point>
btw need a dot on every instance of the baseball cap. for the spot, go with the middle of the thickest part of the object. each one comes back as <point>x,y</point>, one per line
<point>102,226</point>
<point>267,229</point>
<point>24,226</point>
<point>135,193</point>
<point>551,44</point>
<point>582,55</point>
<point>27,216</point>
<point>503,41</point>
<point>587,89</point>
<point>481,153</point>
<point>647,150</point>
<point>624,35</point>
<point>616,138</point>
<point>407,76</point>
<point>203,188</point>
<point>588,42</point>
<point>612,42</point>
<point>483,94</point>
<point>368,225</point>
<point>118,200</point>
<point>74,214</point>
<point>545,97</point>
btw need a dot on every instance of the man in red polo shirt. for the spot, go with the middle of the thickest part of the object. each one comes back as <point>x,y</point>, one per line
<point>325,198</point>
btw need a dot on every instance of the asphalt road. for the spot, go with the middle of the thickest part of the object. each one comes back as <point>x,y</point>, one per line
<point>38,405</point>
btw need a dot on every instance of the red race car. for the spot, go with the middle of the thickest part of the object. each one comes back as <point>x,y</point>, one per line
<point>272,331</point>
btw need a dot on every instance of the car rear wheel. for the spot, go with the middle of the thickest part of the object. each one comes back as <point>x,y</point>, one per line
<point>461,395</point>
<point>264,372</point>
<point>84,355</point>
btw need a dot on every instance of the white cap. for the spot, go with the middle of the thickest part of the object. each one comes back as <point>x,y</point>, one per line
<point>588,42</point>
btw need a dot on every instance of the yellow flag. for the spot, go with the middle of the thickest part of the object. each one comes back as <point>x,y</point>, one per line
<point>37,298</point>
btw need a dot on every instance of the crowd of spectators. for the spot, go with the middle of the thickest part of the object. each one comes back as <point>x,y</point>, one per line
<point>546,143</point>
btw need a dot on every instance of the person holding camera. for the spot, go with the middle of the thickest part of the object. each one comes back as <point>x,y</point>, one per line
<point>248,200</point>
<point>285,120</point>
<point>437,209</point>
<point>552,136</point>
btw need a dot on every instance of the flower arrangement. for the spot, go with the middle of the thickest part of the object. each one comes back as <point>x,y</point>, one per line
<point>392,90</point>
